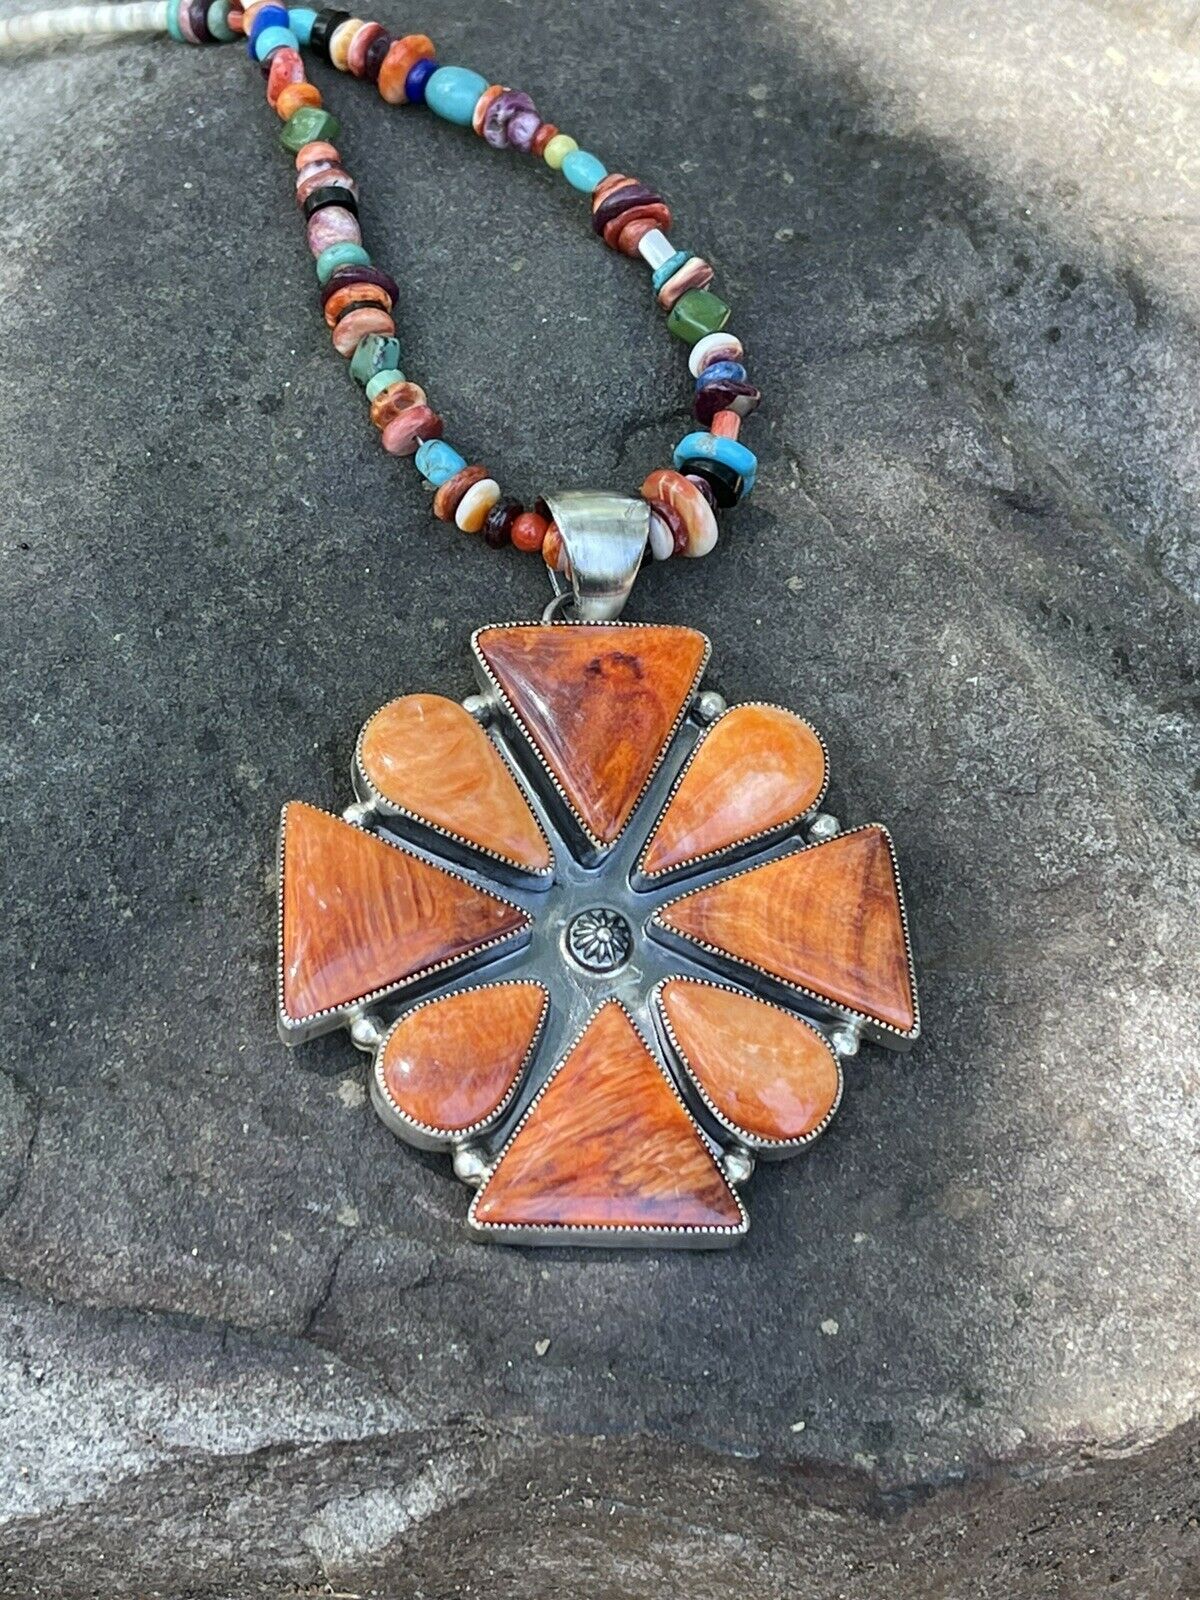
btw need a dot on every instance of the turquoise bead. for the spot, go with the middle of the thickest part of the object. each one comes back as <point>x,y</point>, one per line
<point>340,255</point>
<point>375,352</point>
<point>173,27</point>
<point>383,380</point>
<point>274,39</point>
<point>437,461</point>
<point>669,269</point>
<point>301,24</point>
<point>729,453</point>
<point>216,20</point>
<point>453,93</point>
<point>583,171</point>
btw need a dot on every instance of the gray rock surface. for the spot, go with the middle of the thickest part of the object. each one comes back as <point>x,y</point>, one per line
<point>246,1347</point>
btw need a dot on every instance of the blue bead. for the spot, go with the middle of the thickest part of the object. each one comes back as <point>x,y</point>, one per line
<point>730,453</point>
<point>453,93</point>
<point>669,269</point>
<point>271,39</point>
<point>301,24</point>
<point>583,171</point>
<point>438,461</point>
<point>721,370</point>
<point>173,27</point>
<point>414,84</point>
<point>268,17</point>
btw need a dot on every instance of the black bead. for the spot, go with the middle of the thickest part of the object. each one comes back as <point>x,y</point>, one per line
<point>330,194</point>
<point>497,528</point>
<point>324,28</point>
<point>727,485</point>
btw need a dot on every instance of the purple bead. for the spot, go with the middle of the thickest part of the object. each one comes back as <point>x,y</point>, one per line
<point>341,276</point>
<point>521,130</point>
<point>376,50</point>
<point>726,394</point>
<point>418,77</point>
<point>704,487</point>
<point>497,528</point>
<point>501,112</point>
<point>197,11</point>
<point>629,194</point>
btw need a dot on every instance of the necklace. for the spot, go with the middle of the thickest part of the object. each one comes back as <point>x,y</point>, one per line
<point>590,922</point>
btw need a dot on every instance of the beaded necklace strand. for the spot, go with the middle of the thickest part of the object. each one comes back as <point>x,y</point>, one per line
<point>711,469</point>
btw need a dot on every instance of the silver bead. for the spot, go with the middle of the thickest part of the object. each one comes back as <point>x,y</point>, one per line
<point>361,814</point>
<point>710,705</point>
<point>823,827</point>
<point>479,706</point>
<point>366,1032</point>
<point>845,1037</point>
<point>738,1165</point>
<point>470,1163</point>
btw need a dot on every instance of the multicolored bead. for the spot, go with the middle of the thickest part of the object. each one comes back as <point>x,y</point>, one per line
<point>451,491</point>
<point>332,225</point>
<point>356,321</point>
<point>712,348</point>
<point>727,466</point>
<point>675,492</point>
<point>694,274</point>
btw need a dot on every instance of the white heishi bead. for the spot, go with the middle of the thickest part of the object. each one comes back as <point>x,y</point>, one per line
<point>70,22</point>
<point>662,540</point>
<point>704,351</point>
<point>483,494</point>
<point>655,249</point>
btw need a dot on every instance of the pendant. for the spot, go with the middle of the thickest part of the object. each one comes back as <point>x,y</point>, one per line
<point>593,928</point>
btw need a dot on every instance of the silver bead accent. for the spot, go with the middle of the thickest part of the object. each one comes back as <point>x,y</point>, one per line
<point>479,706</point>
<point>470,1163</point>
<point>823,827</point>
<point>366,1032</point>
<point>738,1165</point>
<point>845,1037</point>
<point>361,814</point>
<point>655,249</point>
<point>710,705</point>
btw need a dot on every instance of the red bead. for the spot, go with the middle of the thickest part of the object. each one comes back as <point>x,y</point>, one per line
<point>529,530</point>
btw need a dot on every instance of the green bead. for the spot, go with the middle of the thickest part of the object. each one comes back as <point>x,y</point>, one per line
<point>383,380</point>
<point>307,124</point>
<point>217,21</point>
<point>375,352</point>
<point>696,314</point>
<point>340,255</point>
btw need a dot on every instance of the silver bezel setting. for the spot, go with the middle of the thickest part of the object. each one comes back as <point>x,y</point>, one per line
<point>589,848</point>
<point>422,1135</point>
<point>454,846</point>
<point>872,1027</point>
<point>740,848</point>
<point>295,1030</point>
<point>768,1149</point>
<point>626,1236</point>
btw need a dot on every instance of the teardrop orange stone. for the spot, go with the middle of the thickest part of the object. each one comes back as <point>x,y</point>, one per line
<point>449,1065</point>
<point>608,1145</point>
<point>600,702</point>
<point>756,769</point>
<point>767,1073</point>
<point>826,919</point>
<point>361,915</point>
<point>431,758</point>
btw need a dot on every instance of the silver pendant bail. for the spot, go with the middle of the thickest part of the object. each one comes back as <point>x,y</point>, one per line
<point>604,536</point>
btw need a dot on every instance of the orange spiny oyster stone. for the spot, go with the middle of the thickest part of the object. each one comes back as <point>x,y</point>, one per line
<point>451,1064</point>
<point>826,919</point>
<point>429,757</point>
<point>361,915</point>
<point>608,1145</point>
<point>756,769</point>
<point>599,702</point>
<point>768,1074</point>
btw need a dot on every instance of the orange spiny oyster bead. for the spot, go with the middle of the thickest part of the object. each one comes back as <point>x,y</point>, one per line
<point>445,501</point>
<point>492,92</point>
<point>318,150</point>
<point>554,552</point>
<point>405,432</point>
<point>726,425</point>
<point>362,294</point>
<point>399,62</point>
<point>618,202</point>
<point>285,67</point>
<point>354,324</point>
<point>294,95</point>
<point>529,531</point>
<point>397,397</point>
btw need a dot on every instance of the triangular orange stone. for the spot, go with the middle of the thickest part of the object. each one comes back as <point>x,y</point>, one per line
<point>599,701</point>
<point>826,919</point>
<point>449,1065</point>
<point>756,769</point>
<point>768,1074</point>
<point>431,758</point>
<point>608,1145</point>
<point>360,915</point>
